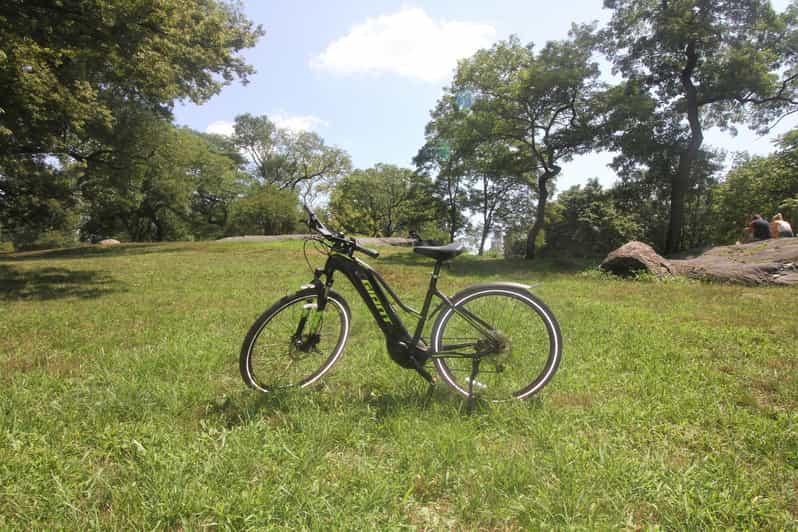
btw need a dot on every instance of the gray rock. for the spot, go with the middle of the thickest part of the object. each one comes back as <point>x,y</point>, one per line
<point>634,257</point>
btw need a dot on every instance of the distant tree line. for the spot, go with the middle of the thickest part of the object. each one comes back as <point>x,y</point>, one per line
<point>88,149</point>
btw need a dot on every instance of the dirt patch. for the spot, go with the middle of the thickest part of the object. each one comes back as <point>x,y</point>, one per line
<point>60,366</point>
<point>577,399</point>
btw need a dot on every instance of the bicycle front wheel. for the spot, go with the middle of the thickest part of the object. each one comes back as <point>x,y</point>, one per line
<point>293,344</point>
<point>515,336</point>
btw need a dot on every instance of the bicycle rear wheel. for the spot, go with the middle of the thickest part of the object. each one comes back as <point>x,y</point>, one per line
<point>520,344</point>
<point>290,346</point>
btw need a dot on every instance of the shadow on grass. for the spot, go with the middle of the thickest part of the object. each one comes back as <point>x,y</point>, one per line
<point>489,267</point>
<point>93,252</point>
<point>387,405</point>
<point>243,407</point>
<point>54,283</point>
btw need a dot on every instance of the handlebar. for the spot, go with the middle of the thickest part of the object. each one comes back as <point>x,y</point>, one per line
<point>373,253</point>
<point>337,239</point>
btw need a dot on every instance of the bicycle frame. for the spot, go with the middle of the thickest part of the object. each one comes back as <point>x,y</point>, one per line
<point>372,289</point>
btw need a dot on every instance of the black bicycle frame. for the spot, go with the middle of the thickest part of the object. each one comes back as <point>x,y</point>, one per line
<point>372,287</point>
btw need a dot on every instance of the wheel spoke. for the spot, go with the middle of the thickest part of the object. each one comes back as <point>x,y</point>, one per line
<point>516,360</point>
<point>271,359</point>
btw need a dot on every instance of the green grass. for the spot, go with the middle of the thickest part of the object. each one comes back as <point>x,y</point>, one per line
<point>121,404</point>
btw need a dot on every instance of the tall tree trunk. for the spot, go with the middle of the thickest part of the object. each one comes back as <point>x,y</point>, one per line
<point>485,219</point>
<point>681,181</point>
<point>452,221</point>
<point>540,212</point>
<point>452,199</point>
<point>482,240</point>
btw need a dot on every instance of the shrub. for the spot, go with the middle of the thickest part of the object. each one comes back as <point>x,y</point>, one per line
<point>267,210</point>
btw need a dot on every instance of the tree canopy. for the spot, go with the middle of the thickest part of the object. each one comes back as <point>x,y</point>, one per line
<point>382,201</point>
<point>299,161</point>
<point>67,67</point>
<point>705,63</point>
<point>529,112</point>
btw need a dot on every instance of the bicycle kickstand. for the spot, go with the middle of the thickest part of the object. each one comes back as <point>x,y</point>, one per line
<point>474,372</point>
<point>427,377</point>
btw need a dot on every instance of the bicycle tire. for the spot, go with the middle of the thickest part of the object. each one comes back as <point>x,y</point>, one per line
<point>280,363</point>
<point>534,342</point>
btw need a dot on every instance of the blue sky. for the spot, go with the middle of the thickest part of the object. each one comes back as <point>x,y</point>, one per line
<point>365,74</point>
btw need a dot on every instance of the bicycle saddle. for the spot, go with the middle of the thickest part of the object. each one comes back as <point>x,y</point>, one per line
<point>447,252</point>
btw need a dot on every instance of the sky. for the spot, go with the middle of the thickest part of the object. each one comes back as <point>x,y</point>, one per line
<point>366,74</point>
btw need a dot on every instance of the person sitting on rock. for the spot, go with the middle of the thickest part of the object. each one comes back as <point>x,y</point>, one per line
<point>779,227</point>
<point>760,228</point>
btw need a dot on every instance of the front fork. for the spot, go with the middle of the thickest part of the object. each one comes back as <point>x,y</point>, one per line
<point>312,316</point>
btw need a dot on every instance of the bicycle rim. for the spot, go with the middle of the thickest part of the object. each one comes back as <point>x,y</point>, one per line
<point>529,330</point>
<point>271,357</point>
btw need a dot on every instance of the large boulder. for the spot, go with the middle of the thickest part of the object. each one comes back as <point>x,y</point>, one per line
<point>768,262</point>
<point>634,257</point>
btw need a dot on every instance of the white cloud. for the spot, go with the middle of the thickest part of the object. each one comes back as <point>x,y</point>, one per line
<point>408,43</point>
<point>220,127</point>
<point>281,120</point>
<point>297,123</point>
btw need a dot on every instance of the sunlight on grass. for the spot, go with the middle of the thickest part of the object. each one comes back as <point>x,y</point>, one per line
<point>122,407</point>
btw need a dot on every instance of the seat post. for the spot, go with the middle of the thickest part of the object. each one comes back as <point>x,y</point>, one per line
<point>436,271</point>
<point>433,288</point>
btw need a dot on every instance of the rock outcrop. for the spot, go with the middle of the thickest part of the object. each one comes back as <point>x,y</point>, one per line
<point>767,262</point>
<point>634,257</point>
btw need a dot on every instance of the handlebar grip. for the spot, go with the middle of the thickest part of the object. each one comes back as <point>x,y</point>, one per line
<point>373,253</point>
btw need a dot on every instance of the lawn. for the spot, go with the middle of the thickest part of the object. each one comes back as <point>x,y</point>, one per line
<point>122,407</point>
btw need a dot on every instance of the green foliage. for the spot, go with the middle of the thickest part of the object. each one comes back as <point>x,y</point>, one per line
<point>293,160</point>
<point>644,194</point>
<point>587,223</point>
<point>159,182</point>
<point>39,205</point>
<point>265,210</point>
<point>758,185</point>
<point>383,201</point>
<point>529,112</point>
<point>68,67</point>
<point>703,64</point>
<point>451,179</point>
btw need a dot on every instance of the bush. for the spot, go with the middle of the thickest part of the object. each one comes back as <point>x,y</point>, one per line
<point>39,204</point>
<point>267,210</point>
<point>585,222</point>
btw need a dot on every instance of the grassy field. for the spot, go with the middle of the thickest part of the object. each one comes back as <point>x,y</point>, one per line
<point>121,405</point>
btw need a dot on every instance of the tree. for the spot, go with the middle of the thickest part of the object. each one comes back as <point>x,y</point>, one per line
<point>293,160</point>
<point>159,182</point>
<point>441,157</point>
<point>764,185</point>
<point>382,201</point>
<point>494,189</point>
<point>587,222</point>
<point>39,206</point>
<point>265,210</point>
<point>709,62</point>
<point>216,167</point>
<point>77,77</point>
<point>65,67</point>
<point>540,105</point>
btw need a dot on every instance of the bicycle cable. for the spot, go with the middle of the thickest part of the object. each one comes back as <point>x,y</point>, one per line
<point>318,244</point>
